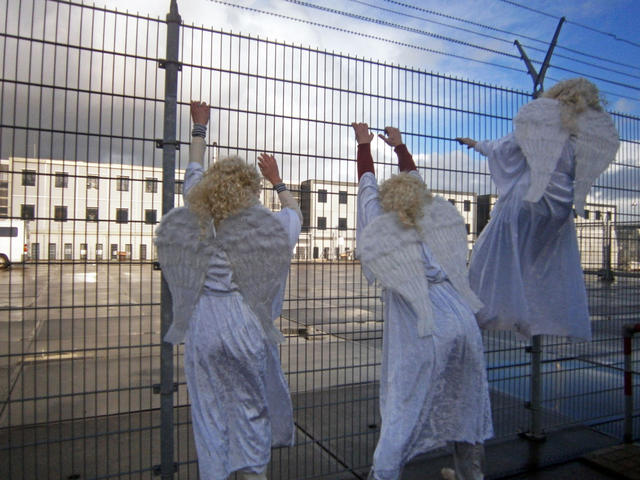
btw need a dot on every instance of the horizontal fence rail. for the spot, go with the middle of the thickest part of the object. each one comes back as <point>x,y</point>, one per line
<point>81,186</point>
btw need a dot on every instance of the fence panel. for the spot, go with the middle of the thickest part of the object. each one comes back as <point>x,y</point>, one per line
<point>81,97</point>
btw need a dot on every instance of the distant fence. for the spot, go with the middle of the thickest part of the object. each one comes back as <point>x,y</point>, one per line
<point>82,103</point>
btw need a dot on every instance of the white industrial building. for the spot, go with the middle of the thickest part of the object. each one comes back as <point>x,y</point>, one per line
<point>94,211</point>
<point>86,211</point>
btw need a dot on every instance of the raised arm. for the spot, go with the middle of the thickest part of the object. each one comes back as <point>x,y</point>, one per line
<point>200,119</point>
<point>269,168</point>
<point>393,138</point>
<point>363,137</point>
<point>469,142</point>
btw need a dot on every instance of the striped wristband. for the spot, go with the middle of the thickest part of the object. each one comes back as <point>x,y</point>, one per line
<point>199,130</point>
<point>279,187</point>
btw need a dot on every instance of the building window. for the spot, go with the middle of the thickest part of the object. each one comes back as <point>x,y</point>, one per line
<point>92,182</point>
<point>92,214</point>
<point>342,197</point>
<point>122,184</point>
<point>586,214</point>
<point>114,251</point>
<point>322,196</point>
<point>322,223</point>
<point>143,251</point>
<point>62,179</point>
<point>151,185</point>
<point>35,251</point>
<point>28,178</point>
<point>122,215</point>
<point>68,251</point>
<point>99,253</point>
<point>179,186</point>
<point>467,205</point>
<point>452,201</point>
<point>28,212</point>
<point>83,251</point>
<point>342,224</point>
<point>52,251</point>
<point>60,213</point>
<point>150,216</point>
<point>468,227</point>
<point>598,214</point>
<point>608,216</point>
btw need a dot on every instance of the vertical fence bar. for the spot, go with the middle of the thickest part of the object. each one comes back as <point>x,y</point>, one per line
<point>628,331</point>
<point>169,145</point>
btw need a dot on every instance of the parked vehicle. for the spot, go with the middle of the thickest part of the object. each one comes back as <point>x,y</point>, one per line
<point>13,242</point>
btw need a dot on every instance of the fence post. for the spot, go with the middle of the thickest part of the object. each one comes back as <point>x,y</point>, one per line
<point>169,145</point>
<point>628,331</point>
<point>535,432</point>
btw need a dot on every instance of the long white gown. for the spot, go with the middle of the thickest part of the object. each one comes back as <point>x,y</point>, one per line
<point>240,401</point>
<point>525,265</point>
<point>433,389</point>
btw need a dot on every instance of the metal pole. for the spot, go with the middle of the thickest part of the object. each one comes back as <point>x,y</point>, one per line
<point>628,331</point>
<point>535,432</point>
<point>607,273</point>
<point>169,145</point>
<point>535,428</point>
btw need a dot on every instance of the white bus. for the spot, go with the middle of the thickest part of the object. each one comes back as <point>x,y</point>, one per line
<point>13,242</point>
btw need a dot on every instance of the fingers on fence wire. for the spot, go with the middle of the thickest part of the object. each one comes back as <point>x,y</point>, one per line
<point>362,132</point>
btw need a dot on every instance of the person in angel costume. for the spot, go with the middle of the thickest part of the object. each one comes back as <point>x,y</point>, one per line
<point>226,259</point>
<point>433,386</point>
<point>525,265</point>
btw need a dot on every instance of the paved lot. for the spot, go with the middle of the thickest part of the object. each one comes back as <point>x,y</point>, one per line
<point>79,343</point>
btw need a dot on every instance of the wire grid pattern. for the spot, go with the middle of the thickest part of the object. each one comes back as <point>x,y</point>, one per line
<point>81,95</point>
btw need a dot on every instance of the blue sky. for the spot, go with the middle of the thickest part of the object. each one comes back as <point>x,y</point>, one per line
<point>618,59</point>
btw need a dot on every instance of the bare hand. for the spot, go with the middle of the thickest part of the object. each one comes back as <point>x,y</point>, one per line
<point>269,168</point>
<point>200,112</point>
<point>362,133</point>
<point>394,137</point>
<point>469,142</point>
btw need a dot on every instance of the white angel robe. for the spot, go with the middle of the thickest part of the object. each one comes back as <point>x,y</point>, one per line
<point>525,266</point>
<point>240,401</point>
<point>433,387</point>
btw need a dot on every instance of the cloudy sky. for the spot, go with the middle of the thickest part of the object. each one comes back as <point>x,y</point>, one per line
<point>77,103</point>
<point>470,39</point>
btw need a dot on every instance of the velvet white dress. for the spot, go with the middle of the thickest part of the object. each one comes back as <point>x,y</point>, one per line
<point>525,265</point>
<point>240,401</point>
<point>433,389</point>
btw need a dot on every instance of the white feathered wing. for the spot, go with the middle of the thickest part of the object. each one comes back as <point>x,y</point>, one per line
<point>184,251</point>
<point>541,136</point>
<point>597,143</point>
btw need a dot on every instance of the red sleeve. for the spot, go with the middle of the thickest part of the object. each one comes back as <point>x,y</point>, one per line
<point>365,160</point>
<point>405,160</point>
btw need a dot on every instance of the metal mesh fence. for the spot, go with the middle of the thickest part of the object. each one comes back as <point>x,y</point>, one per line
<point>81,95</point>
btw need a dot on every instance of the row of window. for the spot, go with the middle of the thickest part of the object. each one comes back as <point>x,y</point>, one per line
<point>322,223</point>
<point>93,181</point>
<point>115,253</point>
<point>27,212</point>
<point>342,196</point>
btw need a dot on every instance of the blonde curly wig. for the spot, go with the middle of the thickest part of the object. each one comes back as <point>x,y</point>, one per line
<point>406,195</point>
<point>576,95</point>
<point>227,187</point>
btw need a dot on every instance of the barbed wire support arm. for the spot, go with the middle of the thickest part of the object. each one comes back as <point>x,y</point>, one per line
<point>538,77</point>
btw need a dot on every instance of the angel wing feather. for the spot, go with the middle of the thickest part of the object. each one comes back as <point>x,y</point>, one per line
<point>596,147</point>
<point>541,136</point>
<point>183,253</point>
<point>445,234</point>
